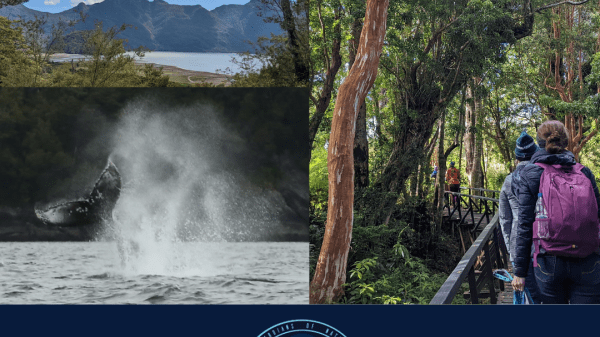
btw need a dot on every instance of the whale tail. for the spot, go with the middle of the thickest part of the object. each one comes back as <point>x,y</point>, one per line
<point>94,209</point>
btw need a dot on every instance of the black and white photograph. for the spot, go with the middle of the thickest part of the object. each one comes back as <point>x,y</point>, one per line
<point>153,196</point>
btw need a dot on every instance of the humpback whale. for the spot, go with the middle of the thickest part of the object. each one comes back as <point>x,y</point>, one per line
<point>93,210</point>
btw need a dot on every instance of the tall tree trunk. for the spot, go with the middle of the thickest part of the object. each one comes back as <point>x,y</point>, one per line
<point>361,143</point>
<point>378,104</point>
<point>441,176</point>
<point>361,149</point>
<point>470,122</point>
<point>408,150</point>
<point>423,189</point>
<point>460,153</point>
<point>473,141</point>
<point>476,169</point>
<point>330,271</point>
<point>289,25</point>
<point>562,71</point>
<point>322,103</point>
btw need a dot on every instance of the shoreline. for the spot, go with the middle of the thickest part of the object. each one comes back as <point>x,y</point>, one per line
<point>176,74</point>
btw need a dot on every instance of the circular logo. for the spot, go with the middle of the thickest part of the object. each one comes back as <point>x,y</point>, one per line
<point>301,328</point>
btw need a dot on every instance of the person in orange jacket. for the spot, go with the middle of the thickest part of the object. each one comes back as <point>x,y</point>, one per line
<point>453,179</point>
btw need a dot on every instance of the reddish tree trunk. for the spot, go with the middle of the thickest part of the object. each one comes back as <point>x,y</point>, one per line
<point>330,272</point>
<point>361,143</point>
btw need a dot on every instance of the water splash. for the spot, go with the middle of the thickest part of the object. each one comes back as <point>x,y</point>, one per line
<point>181,183</point>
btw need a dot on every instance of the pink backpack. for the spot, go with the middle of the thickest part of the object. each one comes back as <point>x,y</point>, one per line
<point>571,228</point>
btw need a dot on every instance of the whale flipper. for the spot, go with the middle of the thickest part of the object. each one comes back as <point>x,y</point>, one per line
<point>91,211</point>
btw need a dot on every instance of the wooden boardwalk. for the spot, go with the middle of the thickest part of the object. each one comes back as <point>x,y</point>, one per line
<point>466,226</point>
<point>477,224</point>
<point>506,296</point>
<point>469,220</point>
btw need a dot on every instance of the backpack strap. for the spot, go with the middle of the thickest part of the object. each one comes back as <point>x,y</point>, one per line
<point>578,167</point>
<point>537,242</point>
<point>574,168</point>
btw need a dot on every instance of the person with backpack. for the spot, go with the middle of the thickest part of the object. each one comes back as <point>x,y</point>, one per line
<point>434,173</point>
<point>508,210</point>
<point>453,179</point>
<point>559,207</point>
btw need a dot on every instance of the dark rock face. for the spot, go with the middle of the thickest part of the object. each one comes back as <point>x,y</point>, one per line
<point>165,27</point>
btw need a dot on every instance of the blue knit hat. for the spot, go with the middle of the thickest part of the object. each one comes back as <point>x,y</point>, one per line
<point>526,146</point>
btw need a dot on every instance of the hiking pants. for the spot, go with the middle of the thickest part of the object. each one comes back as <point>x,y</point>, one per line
<point>563,280</point>
<point>455,188</point>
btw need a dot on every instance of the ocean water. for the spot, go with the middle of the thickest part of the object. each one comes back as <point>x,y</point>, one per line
<point>208,62</point>
<point>190,273</point>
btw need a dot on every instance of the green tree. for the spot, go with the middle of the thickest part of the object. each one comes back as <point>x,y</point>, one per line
<point>15,67</point>
<point>284,59</point>
<point>39,45</point>
<point>4,3</point>
<point>108,64</point>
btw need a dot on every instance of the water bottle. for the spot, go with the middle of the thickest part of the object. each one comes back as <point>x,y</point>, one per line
<point>540,210</point>
<point>540,216</point>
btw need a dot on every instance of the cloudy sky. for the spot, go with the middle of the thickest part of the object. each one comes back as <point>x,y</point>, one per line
<point>55,6</point>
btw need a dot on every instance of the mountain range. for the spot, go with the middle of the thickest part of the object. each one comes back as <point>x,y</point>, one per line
<point>161,26</point>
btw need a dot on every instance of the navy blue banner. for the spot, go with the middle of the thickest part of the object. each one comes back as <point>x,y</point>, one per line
<point>293,320</point>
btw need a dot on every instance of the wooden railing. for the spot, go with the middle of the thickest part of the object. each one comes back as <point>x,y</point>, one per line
<point>489,193</point>
<point>469,205</point>
<point>487,253</point>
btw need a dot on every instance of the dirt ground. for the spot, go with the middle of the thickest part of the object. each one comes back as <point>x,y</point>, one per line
<point>189,76</point>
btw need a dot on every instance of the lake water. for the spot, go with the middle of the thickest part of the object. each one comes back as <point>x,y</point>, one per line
<point>208,62</point>
<point>190,273</point>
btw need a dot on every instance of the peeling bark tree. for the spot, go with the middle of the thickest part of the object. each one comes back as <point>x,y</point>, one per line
<point>361,143</point>
<point>330,272</point>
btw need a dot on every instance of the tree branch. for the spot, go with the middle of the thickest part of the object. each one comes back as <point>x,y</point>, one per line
<point>572,3</point>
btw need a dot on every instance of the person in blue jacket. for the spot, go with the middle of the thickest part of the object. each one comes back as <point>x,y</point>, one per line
<point>434,173</point>
<point>559,279</point>
<point>509,207</point>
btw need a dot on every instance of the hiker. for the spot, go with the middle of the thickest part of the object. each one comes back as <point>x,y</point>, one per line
<point>453,179</point>
<point>434,173</point>
<point>509,208</point>
<point>563,226</point>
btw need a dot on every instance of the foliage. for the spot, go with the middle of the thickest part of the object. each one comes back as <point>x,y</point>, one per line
<point>25,50</point>
<point>411,282</point>
<point>108,64</point>
<point>273,59</point>
<point>15,67</point>
<point>284,58</point>
<point>11,2</point>
<point>396,263</point>
<point>39,45</point>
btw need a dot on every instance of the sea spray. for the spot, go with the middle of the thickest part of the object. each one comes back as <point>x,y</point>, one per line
<point>182,185</point>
